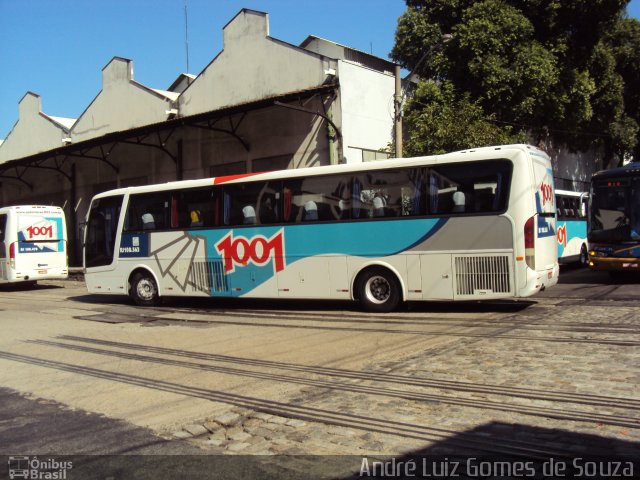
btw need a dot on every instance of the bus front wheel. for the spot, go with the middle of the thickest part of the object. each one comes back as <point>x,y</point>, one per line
<point>378,290</point>
<point>144,290</point>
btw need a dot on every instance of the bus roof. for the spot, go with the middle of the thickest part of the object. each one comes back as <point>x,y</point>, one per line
<point>569,193</point>
<point>627,170</point>
<point>482,153</point>
<point>49,209</point>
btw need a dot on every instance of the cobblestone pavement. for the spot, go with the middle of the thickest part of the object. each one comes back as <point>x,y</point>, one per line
<point>557,377</point>
<point>554,375</point>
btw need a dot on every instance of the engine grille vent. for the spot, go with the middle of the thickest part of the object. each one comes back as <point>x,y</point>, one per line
<point>209,277</point>
<point>482,275</point>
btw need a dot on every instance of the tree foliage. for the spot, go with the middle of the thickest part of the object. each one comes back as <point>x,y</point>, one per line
<point>568,68</point>
<point>441,121</point>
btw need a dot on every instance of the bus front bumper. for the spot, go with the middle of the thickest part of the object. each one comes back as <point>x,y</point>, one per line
<point>614,264</point>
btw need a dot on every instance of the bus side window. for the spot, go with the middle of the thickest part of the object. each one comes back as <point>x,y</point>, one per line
<point>3,228</point>
<point>314,198</point>
<point>239,203</point>
<point>484,185</point>
<point>269,208</point>
<point>194,208</point>
<point>149,211</point>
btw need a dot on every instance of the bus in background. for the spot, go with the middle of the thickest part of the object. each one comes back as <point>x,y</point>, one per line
<point>571,208</point>
<point>614,220</point>
<point>33,244</point>
<point>469,225</point>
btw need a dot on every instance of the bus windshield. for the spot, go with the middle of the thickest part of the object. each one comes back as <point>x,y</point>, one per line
<point>613,218</point>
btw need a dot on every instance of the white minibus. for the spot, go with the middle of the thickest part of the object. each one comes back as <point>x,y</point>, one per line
<point>33,244</point>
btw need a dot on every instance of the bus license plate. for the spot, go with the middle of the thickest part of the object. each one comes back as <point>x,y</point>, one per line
<point>42,272</point>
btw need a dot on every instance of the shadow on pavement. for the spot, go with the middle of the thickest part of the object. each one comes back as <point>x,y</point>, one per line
<point>205,304</point>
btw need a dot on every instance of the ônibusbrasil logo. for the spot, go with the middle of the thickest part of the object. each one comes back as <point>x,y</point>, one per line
<point>35,468</point>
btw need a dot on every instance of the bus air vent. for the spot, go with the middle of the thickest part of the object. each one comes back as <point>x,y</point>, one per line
<point>209,277</point>
<point>482,275</point>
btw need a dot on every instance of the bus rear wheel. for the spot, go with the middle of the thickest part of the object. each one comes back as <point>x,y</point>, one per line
<point>378,290</point>
<point>144,290</point>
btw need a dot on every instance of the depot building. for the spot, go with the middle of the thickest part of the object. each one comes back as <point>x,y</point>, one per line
<point>261,104</point>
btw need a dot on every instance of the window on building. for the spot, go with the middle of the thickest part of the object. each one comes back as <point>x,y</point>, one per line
<point>372,155</point>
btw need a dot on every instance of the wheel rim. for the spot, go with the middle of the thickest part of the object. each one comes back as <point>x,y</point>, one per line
<point>146,289</point>
<point>377,289</point>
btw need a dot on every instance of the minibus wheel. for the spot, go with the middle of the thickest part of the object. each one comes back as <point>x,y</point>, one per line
<point>378,290</point>
<point>144,290</point>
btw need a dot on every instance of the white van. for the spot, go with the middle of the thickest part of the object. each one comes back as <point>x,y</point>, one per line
<point>33,244</point>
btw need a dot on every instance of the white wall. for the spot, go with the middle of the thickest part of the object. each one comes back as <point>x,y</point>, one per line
<point>252,66</point>
<point>122,104</point>
<point>33,133</point>
<point>367,109</point>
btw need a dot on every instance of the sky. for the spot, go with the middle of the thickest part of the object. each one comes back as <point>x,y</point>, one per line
<point>57,48</point>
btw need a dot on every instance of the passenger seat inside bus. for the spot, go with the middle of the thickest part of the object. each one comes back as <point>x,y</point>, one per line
<point>148,222</point>
<point>458,202</point>
<point>249,214</point>
<point>310,211</point>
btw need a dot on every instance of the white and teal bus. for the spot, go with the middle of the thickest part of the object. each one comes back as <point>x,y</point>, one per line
<point>33,244</point>
<point>571,208</point>
<point>470,225</point>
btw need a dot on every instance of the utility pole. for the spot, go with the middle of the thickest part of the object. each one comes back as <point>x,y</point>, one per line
<point>397,102</point>
<point>186,33</point>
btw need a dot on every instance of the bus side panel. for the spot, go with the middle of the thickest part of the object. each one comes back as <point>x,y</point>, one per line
<point>572,234</point>
<point>322,260</point>
<point>546,249</point>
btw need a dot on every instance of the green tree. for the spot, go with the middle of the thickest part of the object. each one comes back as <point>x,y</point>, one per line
<point>624,41</point>
<point>534,66</point>
<point>439,121</point>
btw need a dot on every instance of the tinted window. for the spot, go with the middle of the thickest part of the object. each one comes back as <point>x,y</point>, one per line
<point>251,203</point>
<point>101,231</point>
<point>3,229</point>
<point>463,188</point>
<point>149,211</point>
<point>195,208</point>
<point>313,199</point>
<point>388,193</point>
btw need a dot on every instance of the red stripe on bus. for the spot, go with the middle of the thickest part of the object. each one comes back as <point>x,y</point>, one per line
<point>228,178</point>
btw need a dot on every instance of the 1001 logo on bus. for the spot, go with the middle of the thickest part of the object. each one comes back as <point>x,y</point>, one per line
<point>546,191</point>
<point>561,235</point>
<point>240,251</point>
<point>40,231</point>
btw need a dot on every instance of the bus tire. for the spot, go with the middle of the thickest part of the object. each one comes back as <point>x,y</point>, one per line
<point>378,290</point>
<point>584,255</point>
<point>144,290</point>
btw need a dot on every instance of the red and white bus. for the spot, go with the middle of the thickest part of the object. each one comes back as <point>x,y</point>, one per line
<point>469,225</point>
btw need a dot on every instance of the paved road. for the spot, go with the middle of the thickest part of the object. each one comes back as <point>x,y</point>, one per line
<point>555,374</point>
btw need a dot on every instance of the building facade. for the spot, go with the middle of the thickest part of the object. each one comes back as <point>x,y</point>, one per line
<point>261,104</point>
